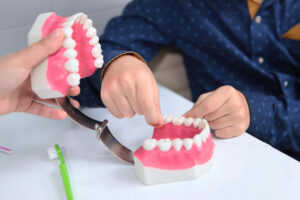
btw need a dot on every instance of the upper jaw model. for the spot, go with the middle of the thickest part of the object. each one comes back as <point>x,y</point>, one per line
<point>181,149</point>
<point>79,57</point>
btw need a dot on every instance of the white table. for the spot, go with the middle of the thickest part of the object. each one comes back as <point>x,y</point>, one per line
<point>245,167</point>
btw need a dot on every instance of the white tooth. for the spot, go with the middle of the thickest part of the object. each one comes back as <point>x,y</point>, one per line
<point>69,43</point>
<point>97,46</point>
<point>205,128</point>
<point>203,137</point>
<point>77,18</point>
<point>73,79</point>
<point>91,32</point>
<point>70,53</point>
<point>182,117</point>
<point>96,51</point>
<point>94,40</point>
<point>99,62</point>
<point>198,140</point>
<point>88,24</point>
<point>72,65</point>
<point>164,144</point>
<point>188,143</point>
<point>202,124</point>
<point>207,135</point>
<point>168,118</point>
<point>205,121</point>
<point>177,144</point>
<point>83,18</point>
<point>188,121</point>
<point>196,122</point>
<point>177,121</point>
<point>77,15</point>
<point>68,31</point>
<point>149,144</point>
<point>206,131</point>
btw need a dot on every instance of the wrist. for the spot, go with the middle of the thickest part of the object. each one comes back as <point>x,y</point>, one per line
<point>127,55</point>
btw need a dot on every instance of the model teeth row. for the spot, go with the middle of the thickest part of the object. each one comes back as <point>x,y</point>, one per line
<point>177,121</point>
<point>72,65</point>
<point>166,144</point>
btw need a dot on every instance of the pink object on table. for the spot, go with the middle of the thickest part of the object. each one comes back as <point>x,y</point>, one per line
<point>79,57</point>
<point>181,149</point>
<point>6,150</point>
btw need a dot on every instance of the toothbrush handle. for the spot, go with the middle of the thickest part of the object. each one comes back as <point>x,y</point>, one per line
<point>66,180</point>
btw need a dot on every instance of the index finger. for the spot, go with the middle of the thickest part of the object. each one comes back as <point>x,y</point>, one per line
<point>74,91</point>
<point>147,102</point>
<point>157,103</point>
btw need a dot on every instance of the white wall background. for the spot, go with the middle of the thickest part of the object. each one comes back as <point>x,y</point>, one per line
<point>17,16</point>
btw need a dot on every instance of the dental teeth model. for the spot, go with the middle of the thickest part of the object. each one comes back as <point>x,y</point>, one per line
<point>79,57</point>
<point>182,149</point>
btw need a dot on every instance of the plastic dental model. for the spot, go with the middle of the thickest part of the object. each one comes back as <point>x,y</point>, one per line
<point>182,149</point>
<point>79,57</point>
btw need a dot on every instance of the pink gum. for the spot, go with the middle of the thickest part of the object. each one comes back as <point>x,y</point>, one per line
<point>171,131</point>
<point>56,72</point>
<point>172,159</point>
<point>176,160</point>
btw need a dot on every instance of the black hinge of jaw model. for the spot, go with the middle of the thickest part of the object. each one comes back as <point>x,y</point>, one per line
<point>102,131</point>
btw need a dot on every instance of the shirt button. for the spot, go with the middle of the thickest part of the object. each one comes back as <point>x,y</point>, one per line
<point>285,83</point>
<point>260,60</point>
<point>258,19</point>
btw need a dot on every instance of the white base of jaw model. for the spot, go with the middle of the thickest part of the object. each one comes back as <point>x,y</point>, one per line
<point>151,176</point>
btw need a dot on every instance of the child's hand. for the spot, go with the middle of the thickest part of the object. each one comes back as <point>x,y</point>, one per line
<point>226,110</point>
<point>129,87</point>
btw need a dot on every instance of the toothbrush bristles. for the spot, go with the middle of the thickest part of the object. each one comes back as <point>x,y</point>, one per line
<point>52,153</point>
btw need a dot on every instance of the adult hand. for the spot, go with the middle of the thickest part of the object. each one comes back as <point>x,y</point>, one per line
<point>16,94</point>
<point>129,87</point>
<point>226,110</point>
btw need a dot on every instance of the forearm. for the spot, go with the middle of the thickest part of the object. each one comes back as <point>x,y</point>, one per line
<point>275,120</point>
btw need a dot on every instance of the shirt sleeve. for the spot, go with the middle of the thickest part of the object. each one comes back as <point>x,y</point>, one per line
<point>275,120</point>
<point>140,30</point>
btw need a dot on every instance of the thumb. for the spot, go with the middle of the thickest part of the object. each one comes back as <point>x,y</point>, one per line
<point>37,52</point>
<point>192,113</point>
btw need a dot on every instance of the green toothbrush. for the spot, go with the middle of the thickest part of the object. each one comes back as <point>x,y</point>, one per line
<point>55,153</point>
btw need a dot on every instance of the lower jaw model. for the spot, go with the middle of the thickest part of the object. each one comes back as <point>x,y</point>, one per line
<point>182,149</point>
<point>79,57</point>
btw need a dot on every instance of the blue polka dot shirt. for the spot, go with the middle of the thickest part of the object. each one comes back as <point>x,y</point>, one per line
<point>221,45</point>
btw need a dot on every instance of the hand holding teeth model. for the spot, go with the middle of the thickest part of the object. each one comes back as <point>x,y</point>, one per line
<point>182,149</point>
<point>79,57</point>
